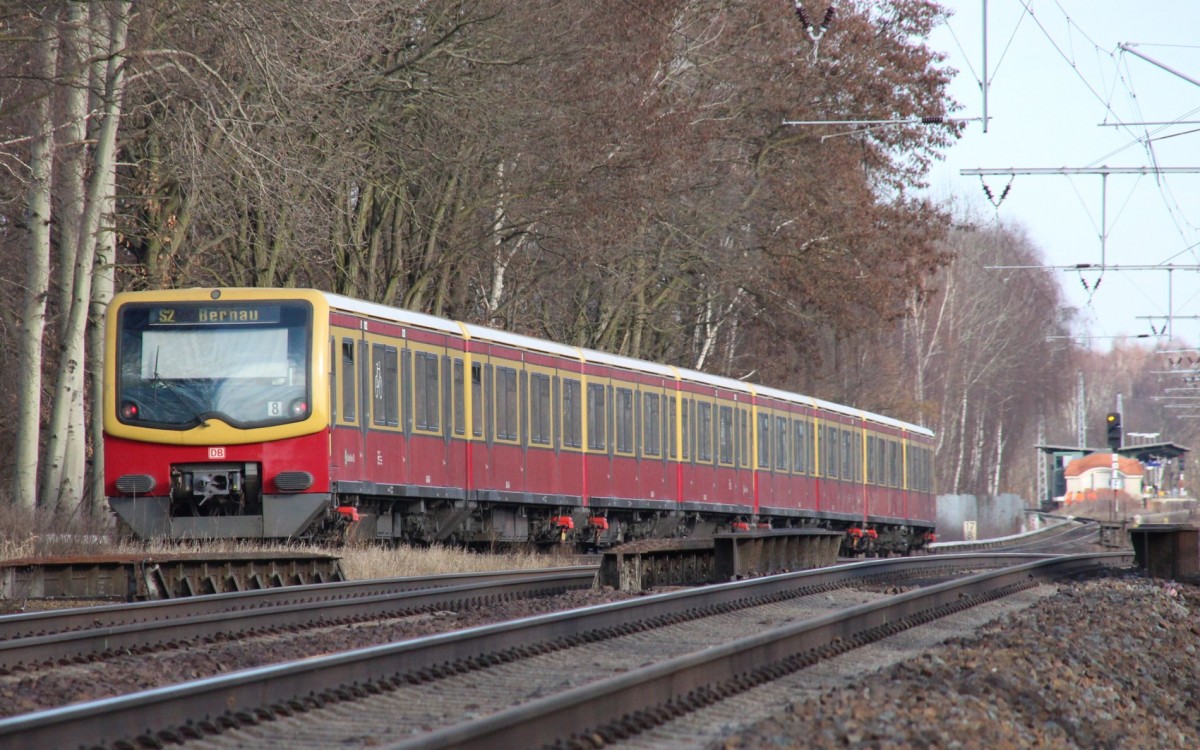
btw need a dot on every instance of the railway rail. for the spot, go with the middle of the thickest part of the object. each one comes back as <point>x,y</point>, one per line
<point>250,697</point>
<point>65,636</point>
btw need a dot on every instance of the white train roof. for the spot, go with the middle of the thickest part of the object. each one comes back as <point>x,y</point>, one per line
<point>521,341</point>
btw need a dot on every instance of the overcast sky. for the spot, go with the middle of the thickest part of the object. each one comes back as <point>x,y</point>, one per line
<point>1059,81</point>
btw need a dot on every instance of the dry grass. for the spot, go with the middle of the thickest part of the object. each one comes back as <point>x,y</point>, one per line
<point>361,563</point>
<point>24,535</point>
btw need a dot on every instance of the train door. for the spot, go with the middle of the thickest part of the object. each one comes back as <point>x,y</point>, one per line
<point>510,420</point>
<point>598,466</point>
<point>544,429</point>
<point>346,440</point>
<point>455,392</point>
<point>384,445</point>
<point>432,425</point>
<point>482,410</point>
<point>569,427</point>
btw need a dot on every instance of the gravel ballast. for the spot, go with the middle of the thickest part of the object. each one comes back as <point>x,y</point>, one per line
<point>1105,663</point>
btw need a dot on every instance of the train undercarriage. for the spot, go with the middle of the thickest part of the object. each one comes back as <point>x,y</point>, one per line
<point>209,501</point>
<point>492,524</point>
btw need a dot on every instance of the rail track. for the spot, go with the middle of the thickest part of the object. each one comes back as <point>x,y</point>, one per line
<point>586,675</point>
<point>69,636</point>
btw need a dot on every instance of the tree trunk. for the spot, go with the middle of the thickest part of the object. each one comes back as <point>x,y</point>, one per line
<point>33,313</point>
<point>65,449</point>
<point>64,435</point>
<point>103,285</point>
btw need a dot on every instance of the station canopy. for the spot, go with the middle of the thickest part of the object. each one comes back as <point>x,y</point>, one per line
<point>1143,452</point>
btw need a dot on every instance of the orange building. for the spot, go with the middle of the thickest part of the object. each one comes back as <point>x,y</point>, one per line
<point>1090,478</point>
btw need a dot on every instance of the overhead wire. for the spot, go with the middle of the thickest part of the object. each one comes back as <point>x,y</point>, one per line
<point>1124,77</point>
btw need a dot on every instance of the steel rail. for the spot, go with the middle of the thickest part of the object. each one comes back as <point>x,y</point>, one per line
<point>1013,542</point>
<point>313,611</point>
<point>648,696</point>
<point>316,680</point>
<point>113,615</point>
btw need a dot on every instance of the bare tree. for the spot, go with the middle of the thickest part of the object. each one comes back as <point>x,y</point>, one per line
<point>44,68</point>
<point>985,345</point>
<point>78,68</point>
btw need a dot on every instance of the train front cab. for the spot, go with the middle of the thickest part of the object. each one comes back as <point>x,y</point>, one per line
<point>215,421</point>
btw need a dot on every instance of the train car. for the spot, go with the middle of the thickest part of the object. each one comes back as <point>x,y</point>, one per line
<point>299,414</point>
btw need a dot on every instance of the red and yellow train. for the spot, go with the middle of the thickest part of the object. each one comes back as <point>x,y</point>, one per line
<point>298,414</point>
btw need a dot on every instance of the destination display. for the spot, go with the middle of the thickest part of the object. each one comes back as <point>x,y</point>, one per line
<point>213,315</point>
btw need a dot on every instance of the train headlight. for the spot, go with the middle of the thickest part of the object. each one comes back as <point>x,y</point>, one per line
<point>129,410</point>
<point>299,407</point>
<point>293,481</point>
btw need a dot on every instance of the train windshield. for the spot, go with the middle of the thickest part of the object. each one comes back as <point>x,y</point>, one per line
<point>246,363</point>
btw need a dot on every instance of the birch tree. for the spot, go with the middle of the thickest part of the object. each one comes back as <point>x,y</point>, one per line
<point>37,280</point>
<point>79,57</point>
<point>986,346</point>
<point>102,37</point>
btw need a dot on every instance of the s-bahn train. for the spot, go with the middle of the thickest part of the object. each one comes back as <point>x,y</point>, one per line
<point>298,414</point>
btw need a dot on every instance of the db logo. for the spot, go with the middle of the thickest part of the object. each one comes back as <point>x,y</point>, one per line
<point>216,452</point>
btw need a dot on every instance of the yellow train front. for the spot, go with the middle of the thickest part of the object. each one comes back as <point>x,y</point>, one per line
<point>298,414</point>
<point>215,417</point>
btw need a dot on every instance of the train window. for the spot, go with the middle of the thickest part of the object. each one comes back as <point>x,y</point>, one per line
<point>486,398</point>
<point>348,410</point>
<point>744,436</point>
<point>651,425</point>
<point>910,457</point>
<point>425,385</point>
<point>687,428</point>
<point>506,403</point>
<point>725,434</point>
<point>406,391</point>
<point>797,446</point>
<point>377,391</point>
<point>555,411</point>
<point>460,399</point>
<point>704,432</point>
<point>914,474</point>
<point>391,386</point>
<point>810,445</point>
<point>672,436</point>
<point>893,463</point>
<point>477,401</point>
<point>909,473</point>
<point>572,411</point>
<point>870,459</point>
<point>447,395</point>
<point>847,455</point>
<point>831,452</point>
<point>539,408</point>
<point>523,379</point>
<point>610,410</point>
<point>364,387</point>
<point>333,405</point>
<point>639,427</point>
<point>781,447</point>
<point>595,416</point>
<point>764,441</point>
<point>624,431</point>
<point>858,457</point>
<point>666,426</point>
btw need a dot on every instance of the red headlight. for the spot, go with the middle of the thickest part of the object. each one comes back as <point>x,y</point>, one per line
<point>299,407</point>
<point>129,410</point>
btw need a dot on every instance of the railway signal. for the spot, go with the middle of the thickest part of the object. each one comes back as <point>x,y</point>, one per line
<point>1113,426</point>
